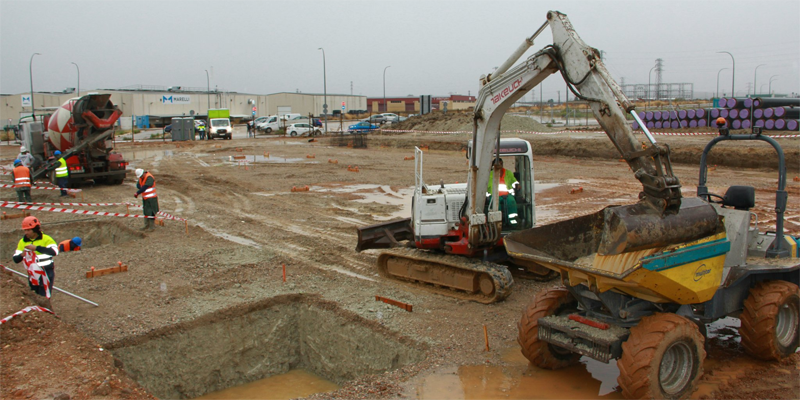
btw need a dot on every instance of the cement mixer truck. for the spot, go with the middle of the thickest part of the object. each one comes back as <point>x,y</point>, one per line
<point>82,129</point>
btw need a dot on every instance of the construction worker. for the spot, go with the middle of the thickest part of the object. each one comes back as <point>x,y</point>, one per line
<point>62,173</point>
<point>73,244</point>
<point>26,157</point>
<point>147,188</point>
<point>41,275</point>
<point>507,185</point>
<point>22,181</point>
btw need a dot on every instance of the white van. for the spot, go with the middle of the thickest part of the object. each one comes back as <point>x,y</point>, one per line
<point>275,122</point>
<point>220,128</point>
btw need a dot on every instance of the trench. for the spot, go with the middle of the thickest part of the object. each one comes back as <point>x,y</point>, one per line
<point>243,344</point>
<point>93,233</point>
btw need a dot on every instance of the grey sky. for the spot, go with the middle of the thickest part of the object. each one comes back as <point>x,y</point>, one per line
<point>433,47</point>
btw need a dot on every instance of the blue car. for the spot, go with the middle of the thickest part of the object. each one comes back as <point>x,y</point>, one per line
<point>362,127</point>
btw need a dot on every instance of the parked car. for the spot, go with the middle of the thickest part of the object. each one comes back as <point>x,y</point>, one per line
<point>375,119</point>
<point>362,127</point>
<point>302,129</point>
<point>391,117</point>
<point>168,129</point>
<point>317,122</point>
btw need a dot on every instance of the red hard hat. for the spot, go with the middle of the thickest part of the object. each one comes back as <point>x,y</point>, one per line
<point>721,121</point>
<point>30,222</point>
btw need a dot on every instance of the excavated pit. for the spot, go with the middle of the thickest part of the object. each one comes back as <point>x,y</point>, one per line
<point>93,233</point>
<point>239,345</point>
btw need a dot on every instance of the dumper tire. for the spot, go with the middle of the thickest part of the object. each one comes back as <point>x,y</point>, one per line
<point>550,301</point>
<point>770,320</point>
<point>662,358</point>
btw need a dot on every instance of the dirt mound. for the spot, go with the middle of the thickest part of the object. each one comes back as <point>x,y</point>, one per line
<point>462,121</point>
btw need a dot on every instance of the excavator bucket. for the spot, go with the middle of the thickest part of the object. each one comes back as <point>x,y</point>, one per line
<point>385,235</point>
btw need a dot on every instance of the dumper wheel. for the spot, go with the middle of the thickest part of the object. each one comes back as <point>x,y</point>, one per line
<point>770,320</point>
<point>550,301</point>
<point>662,358</point>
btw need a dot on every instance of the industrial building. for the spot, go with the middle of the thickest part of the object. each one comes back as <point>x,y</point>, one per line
<point>156,105</point>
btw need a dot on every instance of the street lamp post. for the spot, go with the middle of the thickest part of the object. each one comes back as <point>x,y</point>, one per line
<point>385,106</point>
<point>649,74</point>
<point>208,93</point>
<point>754,78</point>
<point>324,90</point>
<point>79,79</point>
<point>770,84</point>
<point>30,69</point>
<point>718,81</point>
<point>733,72</point>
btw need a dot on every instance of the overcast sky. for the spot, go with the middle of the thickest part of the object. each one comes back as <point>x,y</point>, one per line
<point>433,47</point>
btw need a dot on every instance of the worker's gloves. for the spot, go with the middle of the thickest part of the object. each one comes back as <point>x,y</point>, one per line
<point>136,195</point>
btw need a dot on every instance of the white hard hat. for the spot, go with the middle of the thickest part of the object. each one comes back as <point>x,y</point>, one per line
<point>139,172</point>
<point>22,149</point>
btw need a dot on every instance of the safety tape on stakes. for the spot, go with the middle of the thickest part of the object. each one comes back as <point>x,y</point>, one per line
<point>570,131</point>
<point>25,311</point>
<point>44,188</point>
<point>69,204</point>
<point>160,213</point>
<point>69,211</point>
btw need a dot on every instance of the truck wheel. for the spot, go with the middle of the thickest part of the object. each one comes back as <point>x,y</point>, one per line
<point>550,301</point>
<point>268,130</point>
<point>662,358</point>
<point>770,320</point>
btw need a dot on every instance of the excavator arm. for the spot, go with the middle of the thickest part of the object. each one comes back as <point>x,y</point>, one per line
<point>589,80</point>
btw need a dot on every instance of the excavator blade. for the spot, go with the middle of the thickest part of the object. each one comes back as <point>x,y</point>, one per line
<point>385,235</point>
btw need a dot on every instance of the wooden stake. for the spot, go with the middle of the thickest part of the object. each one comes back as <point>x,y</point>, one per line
<point>486,337</point>
<point>284,272</point>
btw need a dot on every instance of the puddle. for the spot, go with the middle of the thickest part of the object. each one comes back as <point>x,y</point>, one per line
<point>270,338</point>
<point>227,236</point>
<point>138,155</point>
<point>293,384</point>
<point>268,160</point>
<point>380,194</point>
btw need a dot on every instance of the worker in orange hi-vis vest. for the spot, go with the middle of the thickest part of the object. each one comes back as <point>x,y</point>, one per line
<point>508,185</point>
<point>147,188</point>
<point>73,244</point>
<point>37,251</point>
<point>22,181</point>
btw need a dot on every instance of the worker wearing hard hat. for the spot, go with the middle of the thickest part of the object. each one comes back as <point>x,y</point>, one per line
<point>37,251</point>
<point>73,244</point>
<point>26,157</point>
<point>147,188</point>
<point>61,171</point>
<point>22,181</point>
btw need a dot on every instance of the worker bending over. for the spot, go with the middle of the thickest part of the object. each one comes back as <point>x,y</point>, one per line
<point>73,244</point>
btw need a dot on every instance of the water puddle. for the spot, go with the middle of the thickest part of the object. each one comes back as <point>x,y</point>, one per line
<point>229,237</point>
<point>380,194</point>
<point>293,384</point>
<point>138,155</point>
<point>250,159</point>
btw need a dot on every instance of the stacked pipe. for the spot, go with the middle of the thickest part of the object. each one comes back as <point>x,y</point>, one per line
<point>781,114</point>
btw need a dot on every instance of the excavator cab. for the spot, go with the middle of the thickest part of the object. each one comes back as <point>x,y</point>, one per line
<point>517,206</point>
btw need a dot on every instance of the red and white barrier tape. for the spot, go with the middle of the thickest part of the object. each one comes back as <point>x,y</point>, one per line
<point>25,311</point>
<point>160,213</point>
<point>569,131</point>
<point>67,210</point>
<point>44,188</point>
<point>71,204</point>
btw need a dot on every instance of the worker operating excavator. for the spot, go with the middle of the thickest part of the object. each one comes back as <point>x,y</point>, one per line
<point>506,186</point>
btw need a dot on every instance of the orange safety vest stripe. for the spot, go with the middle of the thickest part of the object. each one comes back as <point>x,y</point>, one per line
<point>151,192</point>
<point>502,185</point>
<point>22,177</point>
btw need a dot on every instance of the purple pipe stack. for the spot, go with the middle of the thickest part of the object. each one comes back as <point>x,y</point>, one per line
<point>778,114</point>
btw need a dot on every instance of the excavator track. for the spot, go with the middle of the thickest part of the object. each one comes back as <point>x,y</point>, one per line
<point>448,275</point>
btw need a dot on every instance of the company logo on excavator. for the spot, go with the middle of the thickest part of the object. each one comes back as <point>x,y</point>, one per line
<point>507,91</point>
<point>700,272</point>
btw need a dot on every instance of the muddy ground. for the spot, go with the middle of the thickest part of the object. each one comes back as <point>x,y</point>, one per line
<point>245,223</point>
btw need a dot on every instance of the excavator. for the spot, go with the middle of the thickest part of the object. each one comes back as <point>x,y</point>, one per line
<point>464,232</point>
<point>638,282</point>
